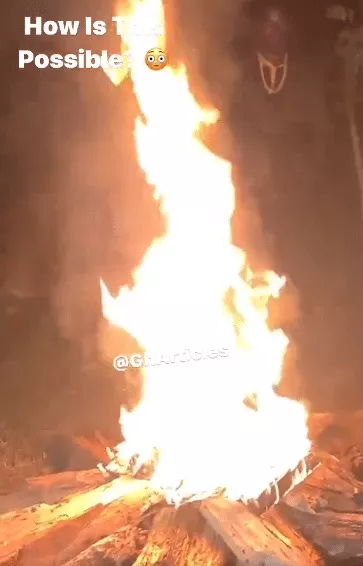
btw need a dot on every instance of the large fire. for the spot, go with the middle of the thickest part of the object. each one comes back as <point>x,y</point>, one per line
<point>194,290</point>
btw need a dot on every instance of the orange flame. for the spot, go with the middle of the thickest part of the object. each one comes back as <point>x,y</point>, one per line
<point>189,292</point>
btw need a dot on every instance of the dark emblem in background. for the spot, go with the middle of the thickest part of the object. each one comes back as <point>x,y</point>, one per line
<point>273,75</point>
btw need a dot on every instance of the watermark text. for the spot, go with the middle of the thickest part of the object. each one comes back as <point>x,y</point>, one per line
<point>122,363</point>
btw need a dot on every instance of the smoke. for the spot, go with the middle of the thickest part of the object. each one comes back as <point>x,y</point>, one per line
<point>204,36</point>
<point>107,216</point>
<point>27,211</point>
<point>201,35</point>
<point>85,210</point>
<point>58,137</point>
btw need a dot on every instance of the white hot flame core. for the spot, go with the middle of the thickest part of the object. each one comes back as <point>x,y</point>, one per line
<point>189,292</point>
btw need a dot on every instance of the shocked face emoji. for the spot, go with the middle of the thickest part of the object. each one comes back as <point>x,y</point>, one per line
<point>156,59</point>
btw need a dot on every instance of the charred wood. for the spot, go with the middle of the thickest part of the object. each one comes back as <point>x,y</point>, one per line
<point>178,537</point>
<point>119,549</point>
<point>324,509</point>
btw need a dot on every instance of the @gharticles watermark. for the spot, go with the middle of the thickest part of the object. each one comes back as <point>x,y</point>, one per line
<point>122,363</point>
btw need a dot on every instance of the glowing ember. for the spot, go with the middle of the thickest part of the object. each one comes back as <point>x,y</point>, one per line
<point>194,290</point>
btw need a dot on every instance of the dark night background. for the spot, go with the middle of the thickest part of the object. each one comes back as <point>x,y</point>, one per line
<point>75,206</point>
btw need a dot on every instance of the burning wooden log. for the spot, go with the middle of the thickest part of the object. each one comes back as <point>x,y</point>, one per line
<point>121,548</point>
<point>60,531</point>
<point>178,537</point>
<point>109,522</point>
<point>255,541</point>
<point>318,522</point>
<point>180,495</point>
<point>75,519</point>
<point>321,427</point>
<point>328,511</point>
<point>282,486</point>
<point>50,489</point>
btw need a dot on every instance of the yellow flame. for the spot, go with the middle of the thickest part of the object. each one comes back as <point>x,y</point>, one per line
<point>194,290</point>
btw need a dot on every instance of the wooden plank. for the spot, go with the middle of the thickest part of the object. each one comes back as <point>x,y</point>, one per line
<point>117,548</point>
<point>338,536</point>
<point>326,511</point>
<point>327,489</point>
<point>178,538</point>
<point>254,540</point>
<point>293,536</point>
<point>50,489</point>
<point>61,531</point>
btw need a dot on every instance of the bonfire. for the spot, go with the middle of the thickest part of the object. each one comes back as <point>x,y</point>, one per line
<point>195,291</point>
<point>233,476</point>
